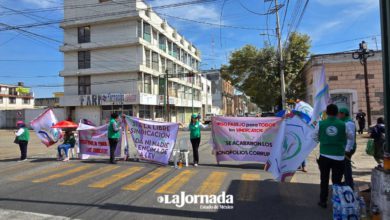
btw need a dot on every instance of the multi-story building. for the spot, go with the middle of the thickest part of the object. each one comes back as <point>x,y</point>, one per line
<point>241,103</point>
<point>15,97</point>
<point>115,56</point>
<point>51,102</point>
<point>207,97</point>
<point>222,90</point>
<point>345,77</point>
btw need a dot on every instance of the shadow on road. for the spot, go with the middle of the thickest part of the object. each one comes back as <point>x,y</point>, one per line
<point>252,200</point>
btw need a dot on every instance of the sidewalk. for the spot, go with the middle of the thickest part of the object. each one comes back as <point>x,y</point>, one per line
<point>19,215</point>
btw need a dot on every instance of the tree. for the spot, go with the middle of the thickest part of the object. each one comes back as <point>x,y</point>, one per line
<point>255,71</point>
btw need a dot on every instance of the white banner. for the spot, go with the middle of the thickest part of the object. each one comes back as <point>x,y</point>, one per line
<point>297,145</point>
<point>42,126</point>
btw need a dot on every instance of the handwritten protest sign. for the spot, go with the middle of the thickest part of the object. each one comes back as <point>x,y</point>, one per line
<point>154,141</point>
<point>246,139</point>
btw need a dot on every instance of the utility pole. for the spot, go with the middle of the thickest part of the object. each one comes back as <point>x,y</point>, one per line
<point>281,70</point>
<point>192,93</point>
<point>167,95</point>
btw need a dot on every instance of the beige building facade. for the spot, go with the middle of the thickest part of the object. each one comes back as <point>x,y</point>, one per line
<point>345,77</point>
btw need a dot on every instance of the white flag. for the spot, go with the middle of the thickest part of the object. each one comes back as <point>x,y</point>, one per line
<point>42,126</point>
<point>321,98</point>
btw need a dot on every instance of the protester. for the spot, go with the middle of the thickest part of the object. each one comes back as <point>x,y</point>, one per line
<point>350,146</point>
<point>22,138</point>
<point>332,135</point>
<point>69,142</point>
<point>361,118</point>
<point>195,134</point>
<point>378,134</point>
<point>113,135</point>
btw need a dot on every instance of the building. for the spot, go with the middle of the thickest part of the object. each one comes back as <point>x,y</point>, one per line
<point>115,59</point>
<point>241,104</point>
<point>345,77</point>
<point>15,97</point>
<point>222,92</point>
<point>52,102</point>
<point>207,97</point>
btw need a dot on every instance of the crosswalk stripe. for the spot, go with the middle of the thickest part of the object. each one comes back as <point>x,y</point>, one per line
<point>177,182</point>
<point>62,174</point>
<point>143,181</point>
<point>43,171</point>
<point>115,178</point>
<point>247,188</point>
<point>212,184</point>
<point>85,176</point>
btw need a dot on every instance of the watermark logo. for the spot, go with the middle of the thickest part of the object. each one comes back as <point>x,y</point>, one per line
<point>221,201</point>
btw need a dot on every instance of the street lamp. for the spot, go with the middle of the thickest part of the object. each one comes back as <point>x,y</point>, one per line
<point>363,54</point>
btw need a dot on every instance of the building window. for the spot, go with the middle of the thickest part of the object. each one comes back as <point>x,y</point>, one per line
<point>26,101</point>
<point>144,112</point>
<point>140,82</point>
<point>169,66</point>
<point>163,43</point>
<point>84,34</point>
<point>12,100</point>
<point>139,28</point>
<point>1,100</point>
<point>84,59</point>
<point>170,49</point>
<point>84,85</point>
<point>147,58</point>
<point>12,91</point>
<point>147,32</point>
<point>163,66</point>
<point>148,83</point>
<point>159,111</point>
<point>155,65</point>
<point>175,51</point>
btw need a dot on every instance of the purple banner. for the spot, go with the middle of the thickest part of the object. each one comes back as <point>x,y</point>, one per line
<point>154,141</point>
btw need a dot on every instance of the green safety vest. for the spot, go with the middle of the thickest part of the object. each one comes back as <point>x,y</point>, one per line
<point>194,130</point>
<point>112,134</point>
<point>332,136</point>
<point>25,136</point>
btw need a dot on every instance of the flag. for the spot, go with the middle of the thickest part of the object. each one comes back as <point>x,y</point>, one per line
<point>42,126</point>
<point>285,158</point>
<point>304,107</point>
<point>321,98</point>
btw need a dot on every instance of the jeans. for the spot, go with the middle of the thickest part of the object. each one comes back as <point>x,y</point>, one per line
<point>326,165</point>
<point>195,149</point>
<point>348,174</point>
<point>23,149</point>
<point>113,143</point>
<point>64,147</point>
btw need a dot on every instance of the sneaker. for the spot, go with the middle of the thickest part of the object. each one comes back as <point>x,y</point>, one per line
<point>323,205</point>
<point>66,159</point>
<point>59,158</point>
<point>195,165</point>
<point>21,160</point>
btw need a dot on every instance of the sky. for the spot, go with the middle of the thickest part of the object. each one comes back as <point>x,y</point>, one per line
<point>217,28</point>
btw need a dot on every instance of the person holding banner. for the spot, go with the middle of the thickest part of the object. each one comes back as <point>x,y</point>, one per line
<point>22,138</point>
<point>332,135</point>
<point>113,135</point>
<point>350,146</point>
<point>194,127</point>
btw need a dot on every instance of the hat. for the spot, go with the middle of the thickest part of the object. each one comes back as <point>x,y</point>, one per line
<point>344,111</point>
<point>20,123</point>
<point>194,116</point>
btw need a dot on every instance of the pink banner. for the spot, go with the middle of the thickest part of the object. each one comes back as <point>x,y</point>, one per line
<point>246,138</point>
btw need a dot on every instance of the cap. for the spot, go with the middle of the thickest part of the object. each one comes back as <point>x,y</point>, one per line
<point>194,116</point>
<point>344,110</point>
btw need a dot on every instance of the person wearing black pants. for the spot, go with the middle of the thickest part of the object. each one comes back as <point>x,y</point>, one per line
<point>195,127</point>
<point>22,137</point>
<point>195,149</point>
<point>113,135</point>
<point>332,134</point>
<point>337,167</point>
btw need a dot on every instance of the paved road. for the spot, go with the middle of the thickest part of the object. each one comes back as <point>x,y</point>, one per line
<point>93,189</point>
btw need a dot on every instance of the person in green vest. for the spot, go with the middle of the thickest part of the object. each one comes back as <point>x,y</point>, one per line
<point>332,135</point>
<point>69,142</point>
<point>113,135</point>
<point>194,127</point>
<point>22,136</point>
<point>350,146</point>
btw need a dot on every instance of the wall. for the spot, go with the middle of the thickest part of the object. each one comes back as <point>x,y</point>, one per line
<point>91,113</point>
<point>346,76</point>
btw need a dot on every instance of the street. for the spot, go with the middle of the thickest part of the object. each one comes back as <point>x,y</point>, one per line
<point>93,189</point>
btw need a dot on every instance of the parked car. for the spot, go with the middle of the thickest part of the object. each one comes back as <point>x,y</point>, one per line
<point>208,118</point>
<point>267,114</point>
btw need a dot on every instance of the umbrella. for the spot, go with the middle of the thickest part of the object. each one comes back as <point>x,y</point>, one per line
<point>65,124</point>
